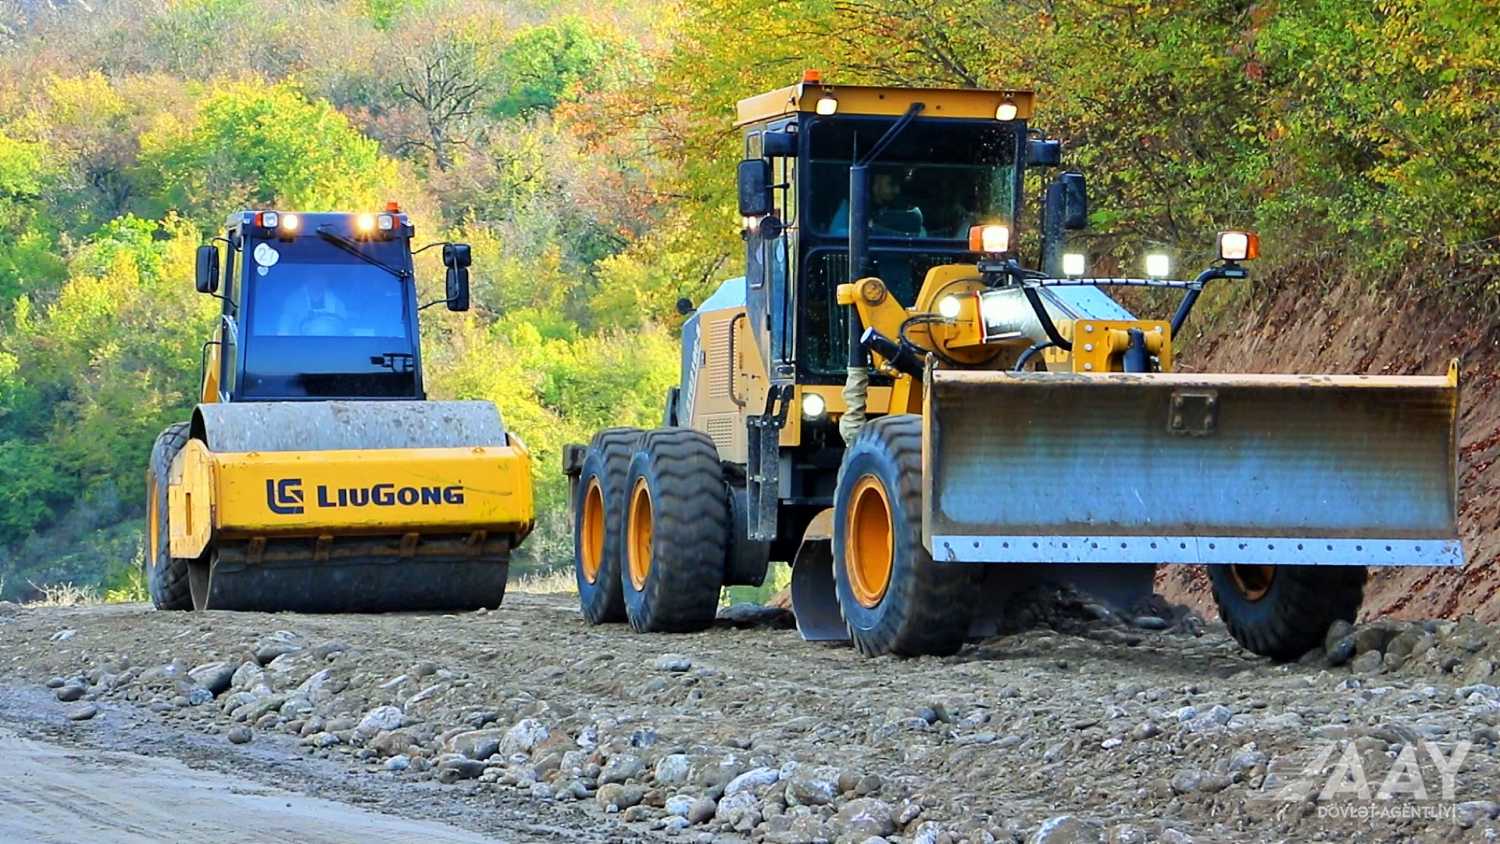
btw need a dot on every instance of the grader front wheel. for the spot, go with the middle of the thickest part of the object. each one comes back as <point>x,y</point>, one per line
<point>676,532</point>
<point>1284,611</point>
<point>893,596</point>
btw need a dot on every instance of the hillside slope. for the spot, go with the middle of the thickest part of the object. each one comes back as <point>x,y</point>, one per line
<point>1343,327</point>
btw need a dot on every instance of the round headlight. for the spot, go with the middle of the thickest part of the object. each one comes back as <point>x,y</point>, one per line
<point>948,307</point>
<point>813,405</point>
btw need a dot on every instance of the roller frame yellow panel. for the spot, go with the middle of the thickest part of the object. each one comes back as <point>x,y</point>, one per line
<point>234,495</point>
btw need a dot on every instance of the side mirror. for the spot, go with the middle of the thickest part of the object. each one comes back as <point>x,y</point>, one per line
<point>207,279</point>
<point>1075,198</point>
<point>1043,152</point>
<point>457,255</point>
<point>779,144</point>
<point>684,306</point>
<point>754,178</point>
<point>457,284</point>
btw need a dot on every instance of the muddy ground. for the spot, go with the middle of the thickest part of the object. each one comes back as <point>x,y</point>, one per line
<point>525,724</point>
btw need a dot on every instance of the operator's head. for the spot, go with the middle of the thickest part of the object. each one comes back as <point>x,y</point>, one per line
<point>885,187</point>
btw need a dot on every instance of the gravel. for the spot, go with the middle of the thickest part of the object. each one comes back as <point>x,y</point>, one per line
<point>1088,725</point>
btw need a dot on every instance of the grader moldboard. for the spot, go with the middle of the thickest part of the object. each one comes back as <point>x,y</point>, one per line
<point>313,476</point>
<point>921,423</point>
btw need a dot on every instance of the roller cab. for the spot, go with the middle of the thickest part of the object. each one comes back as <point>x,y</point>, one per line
<point>314,475</point>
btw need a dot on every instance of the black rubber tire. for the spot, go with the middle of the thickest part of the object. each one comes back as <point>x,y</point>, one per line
<point>927,606</point>
<point>166,576</point>
<point>608,460</point>
<point>690,532</point>
<point>1294,614</point>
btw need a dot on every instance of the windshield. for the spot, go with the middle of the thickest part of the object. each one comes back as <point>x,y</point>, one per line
<point>935,180</point>
<point>320,322</point>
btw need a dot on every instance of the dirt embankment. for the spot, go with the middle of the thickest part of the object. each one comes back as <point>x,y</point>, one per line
<point>1344,328</point>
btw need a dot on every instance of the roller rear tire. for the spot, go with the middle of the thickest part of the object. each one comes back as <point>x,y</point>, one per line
<point>676,532</point>
<point>598,518</point>
<point>166,576</point>
<point>894,598</point>
<point>1284,611</point>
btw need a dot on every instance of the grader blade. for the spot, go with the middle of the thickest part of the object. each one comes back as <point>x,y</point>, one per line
<point>1186,468</point>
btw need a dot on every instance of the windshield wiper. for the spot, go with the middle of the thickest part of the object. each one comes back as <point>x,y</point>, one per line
<point>352,248</point>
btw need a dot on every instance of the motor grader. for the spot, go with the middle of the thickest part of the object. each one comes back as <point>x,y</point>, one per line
<point>314,475</point>
<point>895,401</point>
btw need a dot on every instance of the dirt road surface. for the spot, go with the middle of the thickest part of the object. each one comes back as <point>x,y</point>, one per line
<point>525,724</point>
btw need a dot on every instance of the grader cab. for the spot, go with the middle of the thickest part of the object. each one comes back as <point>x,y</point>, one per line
<point>894,400</point>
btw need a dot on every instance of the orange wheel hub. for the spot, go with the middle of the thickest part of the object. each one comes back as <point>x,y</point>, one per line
<point>591,532</point>
<point>870,548</point>
<point>153,528</point>
<point>1253,581</point>
<point>639,534</point>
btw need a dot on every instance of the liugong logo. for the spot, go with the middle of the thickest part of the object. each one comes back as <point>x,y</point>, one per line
<point>284,496</point>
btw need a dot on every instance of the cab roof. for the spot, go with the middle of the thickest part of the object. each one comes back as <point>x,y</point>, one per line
<point>344,223</point>
<point>881,100</point>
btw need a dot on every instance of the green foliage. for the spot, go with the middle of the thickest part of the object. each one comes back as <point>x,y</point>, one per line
<point>256,145</point>
<point>544,64</point>
<point>588,155</point>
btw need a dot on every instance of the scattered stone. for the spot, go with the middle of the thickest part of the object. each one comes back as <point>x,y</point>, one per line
<point>813,786</point>
<point>277,644</point>
<point>475,744</point>
<point>702,809</point>
<point>454,770</point>
<point>56,683</point>
<point>738,809</point>
<point>1340,652</point>
<point>214,676</point>
<point>754,781</point>
<point>1151,622</point>
<point>863,817</point>
<point>1068,829</point>
<point>1368,662</point>
<point>379,719</point>
<point>673,769</point>
<point>70,693</point>
<point>63,635</point>
<point>523,737</point>
<point>673,662</point>
<point>619,796</point>
<point>240,735</point>
<point>81,711</point>
<point>622,767</point>
<point>398,763</point>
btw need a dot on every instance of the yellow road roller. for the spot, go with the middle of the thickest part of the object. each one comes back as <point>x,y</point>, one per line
<point>924,420</point>
<point>314,476</point>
